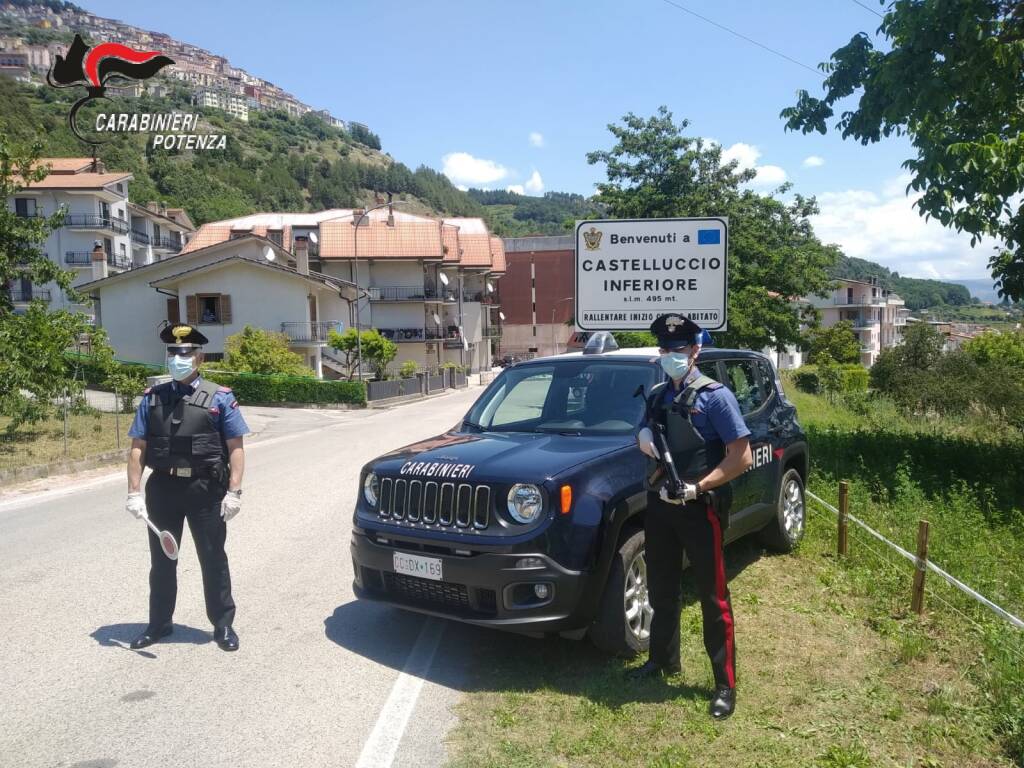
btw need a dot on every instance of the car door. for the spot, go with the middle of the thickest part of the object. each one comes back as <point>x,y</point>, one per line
<point>752,490</point>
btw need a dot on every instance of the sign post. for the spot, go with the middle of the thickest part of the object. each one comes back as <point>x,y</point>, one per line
<point>630,271</point>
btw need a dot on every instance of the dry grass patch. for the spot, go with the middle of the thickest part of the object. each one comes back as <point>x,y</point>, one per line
<point>88,434</point>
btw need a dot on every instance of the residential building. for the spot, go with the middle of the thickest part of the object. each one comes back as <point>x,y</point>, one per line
<point>538,295</point>
<point>96,206</point>
<point>157,232</point>
<point>220,288</point>
<point>15,64</point>
<point>427,284</point>
<point>234,104</point>
<point>877,315</point>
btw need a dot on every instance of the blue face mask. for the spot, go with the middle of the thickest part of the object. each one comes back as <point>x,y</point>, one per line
<point>675,364</point>
<point>180,367</point>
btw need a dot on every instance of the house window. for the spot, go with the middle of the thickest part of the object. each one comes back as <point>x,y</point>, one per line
<point>104,211</point>
<point>124,250</point>
<point>213,357</point>
<point>275,236</point>
<point>24,207</point>
<point>120,188</point>
<point>156,233</point>
<point>237,233</point>
<point>208,308</point>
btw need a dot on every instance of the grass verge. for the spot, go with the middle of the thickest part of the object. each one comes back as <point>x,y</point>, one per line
<point>88,434</point>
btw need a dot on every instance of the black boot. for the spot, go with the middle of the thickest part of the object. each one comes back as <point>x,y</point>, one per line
<point>723,703</point>
<point>150,635</point>
<point>652,669</point>
<point>226,638</point>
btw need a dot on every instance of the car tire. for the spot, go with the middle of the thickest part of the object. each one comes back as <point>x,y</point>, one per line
<point>785,532</point>
<point>614,631</point>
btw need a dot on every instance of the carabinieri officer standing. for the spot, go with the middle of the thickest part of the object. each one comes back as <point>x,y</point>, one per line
<point>190,432</point>
<point>710,445</point>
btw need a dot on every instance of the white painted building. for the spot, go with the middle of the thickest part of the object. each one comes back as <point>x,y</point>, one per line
<point>157,232</point>
<point>235,104</point>
<point>877,315</point>
<point>221,288</point>
<point>96,206</point>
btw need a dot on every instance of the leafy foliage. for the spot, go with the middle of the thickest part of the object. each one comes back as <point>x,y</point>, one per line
<point>838,342</point>
<point>516,215</point>
<point>377,350</point>
<point>255,350</point>
<point>278,388</point>
<point>654,170</point>
<point>997,348</point>
<point>408,369</point>
<point>950,79</point>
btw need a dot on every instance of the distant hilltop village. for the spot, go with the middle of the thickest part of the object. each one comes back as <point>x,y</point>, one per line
<point>211,78</point>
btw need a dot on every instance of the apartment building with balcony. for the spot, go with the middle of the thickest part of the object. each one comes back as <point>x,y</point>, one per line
<point>96,212</point>
<point>428,284</point>
<point>157,232</point>
<point>877,315</point>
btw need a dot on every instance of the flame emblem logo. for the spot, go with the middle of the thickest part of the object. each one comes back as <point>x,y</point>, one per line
<point>93,68</point>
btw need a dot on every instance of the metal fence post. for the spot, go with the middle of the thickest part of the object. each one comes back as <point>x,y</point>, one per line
<point>921,568</point>
<point>65,423</point>
<point>117,419</point>
<point>844,507</point>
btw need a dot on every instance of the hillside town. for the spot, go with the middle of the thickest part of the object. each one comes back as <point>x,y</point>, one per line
<point>211,79</point>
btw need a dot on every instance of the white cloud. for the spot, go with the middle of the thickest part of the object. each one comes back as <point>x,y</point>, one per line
<point>462,187</point>
<point>884,227</point>
<point>535,184</point>
<point>747,155</point>
<point>814,161</point>
<point>536,139</point>
<point>517,188</point>
<point>463,168</point>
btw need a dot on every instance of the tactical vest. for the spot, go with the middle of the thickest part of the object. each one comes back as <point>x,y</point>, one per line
<point>693,456</point>
<point>180,432</point>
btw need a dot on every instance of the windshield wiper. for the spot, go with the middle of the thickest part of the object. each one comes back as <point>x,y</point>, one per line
<point>558,431</point>
<point>473,424</point>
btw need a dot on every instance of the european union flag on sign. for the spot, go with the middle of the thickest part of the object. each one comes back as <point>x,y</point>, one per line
<point>709,237</point>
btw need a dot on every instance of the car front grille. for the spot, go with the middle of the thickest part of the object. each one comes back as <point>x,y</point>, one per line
<point>448,505</point>
<point>457,598</point>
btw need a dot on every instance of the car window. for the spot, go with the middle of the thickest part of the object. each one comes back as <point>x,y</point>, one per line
<point>524,399</point>
<point>742,380</point>
<point>709,369</point>
<point>767,380</point>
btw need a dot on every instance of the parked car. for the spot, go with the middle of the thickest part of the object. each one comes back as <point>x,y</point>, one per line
<point>528,514</point>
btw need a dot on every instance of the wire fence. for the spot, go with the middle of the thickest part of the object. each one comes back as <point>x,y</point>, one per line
<point>922,564</point>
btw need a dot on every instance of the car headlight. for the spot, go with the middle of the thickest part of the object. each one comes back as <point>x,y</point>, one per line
<point>371,489</point>
<point>525,502</point>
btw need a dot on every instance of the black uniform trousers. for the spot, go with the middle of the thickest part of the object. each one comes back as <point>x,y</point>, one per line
<point>693,528</point>
<point>170,501</point>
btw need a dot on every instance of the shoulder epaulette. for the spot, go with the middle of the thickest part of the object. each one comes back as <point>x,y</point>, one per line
<point>223,389</point>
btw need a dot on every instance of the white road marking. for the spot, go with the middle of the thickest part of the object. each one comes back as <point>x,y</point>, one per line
<point>380,748</point>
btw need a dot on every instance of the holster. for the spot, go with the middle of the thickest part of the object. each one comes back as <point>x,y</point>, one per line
<point>719,506</point>
<point>221,475</point>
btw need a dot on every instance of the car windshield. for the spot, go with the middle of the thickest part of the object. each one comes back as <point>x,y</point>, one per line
<point>570,397</point>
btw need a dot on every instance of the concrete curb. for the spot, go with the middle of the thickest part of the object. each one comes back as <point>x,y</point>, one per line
<point>388,402</point>
<point>36,471</point>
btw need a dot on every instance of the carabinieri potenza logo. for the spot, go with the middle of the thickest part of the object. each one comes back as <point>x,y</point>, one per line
<point>103,65</point>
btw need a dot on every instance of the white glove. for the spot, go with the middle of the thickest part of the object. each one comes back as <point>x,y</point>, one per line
<point>645,439</point>
<point>689,494</point>
<point>136,505</point>
<point>231,505</point>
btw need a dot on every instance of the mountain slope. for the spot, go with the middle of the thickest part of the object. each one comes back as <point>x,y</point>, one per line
<point>917,293</point>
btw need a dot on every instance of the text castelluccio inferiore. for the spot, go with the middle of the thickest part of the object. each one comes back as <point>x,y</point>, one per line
<point>172,131</point>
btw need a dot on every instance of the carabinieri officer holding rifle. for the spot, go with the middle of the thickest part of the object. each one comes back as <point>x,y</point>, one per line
<point>189,431</point>
<point>698,420</point>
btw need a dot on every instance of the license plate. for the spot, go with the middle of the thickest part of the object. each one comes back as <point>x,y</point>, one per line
<point>414,565</point>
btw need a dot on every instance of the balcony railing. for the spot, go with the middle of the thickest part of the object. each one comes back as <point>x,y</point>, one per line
<point>140,237</point>
<point>851,301</point>
<point>401,293</point>
<point>399,335</point>
<point>78,258</point>
<point>120,262</point>
<point>167,244</point>
<point>864,322</point>
<point>94,221</point>
<point>19,296</point>
<point>316,331</point>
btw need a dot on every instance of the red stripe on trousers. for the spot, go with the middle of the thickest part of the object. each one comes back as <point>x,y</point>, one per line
<point>720,596</point>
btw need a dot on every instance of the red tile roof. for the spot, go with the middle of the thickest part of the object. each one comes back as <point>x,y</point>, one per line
<point>476,250</point>
<point>208,234</point>
<point>405,240</point>
<point>450,239</point>
<point>497,254</point>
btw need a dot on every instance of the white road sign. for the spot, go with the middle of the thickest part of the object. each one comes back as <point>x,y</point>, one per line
<point>629,271</point>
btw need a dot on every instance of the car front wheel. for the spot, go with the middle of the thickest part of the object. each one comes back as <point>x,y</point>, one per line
<point>623,623</point>
<point>784,533</point>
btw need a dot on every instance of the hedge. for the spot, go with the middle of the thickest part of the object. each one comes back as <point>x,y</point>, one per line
<point>277,388</point>
<point>855,378</point>
<point>96,378</point>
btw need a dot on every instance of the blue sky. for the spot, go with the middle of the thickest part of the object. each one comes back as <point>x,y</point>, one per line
<point>461,86</point>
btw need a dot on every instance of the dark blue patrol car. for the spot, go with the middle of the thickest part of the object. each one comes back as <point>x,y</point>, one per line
<point>528,514</point>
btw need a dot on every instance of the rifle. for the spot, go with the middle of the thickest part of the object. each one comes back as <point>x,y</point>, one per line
<point>666,465</point>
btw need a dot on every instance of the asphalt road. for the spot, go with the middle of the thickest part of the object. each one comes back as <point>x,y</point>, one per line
<point>319,677</point>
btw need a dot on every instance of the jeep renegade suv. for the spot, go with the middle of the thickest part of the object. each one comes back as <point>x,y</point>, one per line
<point>528,514</point>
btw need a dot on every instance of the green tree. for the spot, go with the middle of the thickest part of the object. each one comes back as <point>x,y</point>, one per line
<point>255,350</point>
<point>949,77</point>
<point>635,339</point>
<point>837,341</point>
<point>992,347</point>
<point>830,376</point>
<point>378,352</point>
<point>655,171</point>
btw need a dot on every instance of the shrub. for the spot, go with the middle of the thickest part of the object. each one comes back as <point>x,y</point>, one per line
<point>853,378</point>
<point>255,350</point>
<point>254,388</point>
<point>806,379</point>
<point>408,369</point>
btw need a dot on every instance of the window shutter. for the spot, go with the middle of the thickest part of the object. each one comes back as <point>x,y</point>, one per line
<point>173,311</point>
<point>191,310</point>
<point>225,308</point>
